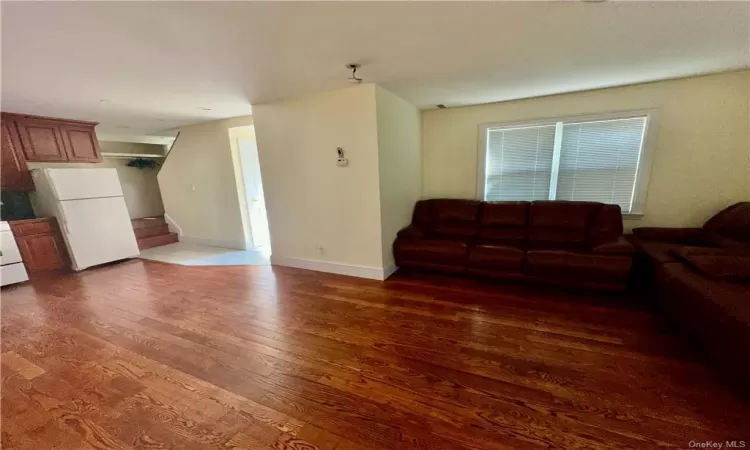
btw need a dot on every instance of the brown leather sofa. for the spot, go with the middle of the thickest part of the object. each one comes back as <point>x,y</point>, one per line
<point>700,279</point>
<point>576,244</point>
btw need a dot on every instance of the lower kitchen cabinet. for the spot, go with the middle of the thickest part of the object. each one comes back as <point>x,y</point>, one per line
<point>40,243</point>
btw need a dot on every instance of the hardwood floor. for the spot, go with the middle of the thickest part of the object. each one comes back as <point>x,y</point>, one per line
<point>153,355</point>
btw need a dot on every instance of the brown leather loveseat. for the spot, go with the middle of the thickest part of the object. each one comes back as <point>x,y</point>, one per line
<point>700,279</point>
<point>557,242</point>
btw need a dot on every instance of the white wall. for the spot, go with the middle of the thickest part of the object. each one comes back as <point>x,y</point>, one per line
<point>322,216</point>
<point>400,166</point>
<point>701,161</point>
<point>139,186</point>
<point>199,187</point>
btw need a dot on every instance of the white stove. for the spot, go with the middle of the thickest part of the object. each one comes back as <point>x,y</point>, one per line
<point>12,269</point>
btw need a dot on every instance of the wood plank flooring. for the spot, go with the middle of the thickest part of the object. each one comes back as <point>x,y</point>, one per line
<point>151,355</point>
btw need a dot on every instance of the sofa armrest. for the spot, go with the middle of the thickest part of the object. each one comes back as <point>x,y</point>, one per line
<point>685,236</point>
<point>620,246</point>
<point>411,232</point>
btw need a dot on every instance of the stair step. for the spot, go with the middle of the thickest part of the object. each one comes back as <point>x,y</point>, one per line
<point>151,231</point>
<point>148,222</point>
<point>157,241</point>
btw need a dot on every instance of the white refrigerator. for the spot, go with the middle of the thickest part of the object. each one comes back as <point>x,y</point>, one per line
<point>91,211</point>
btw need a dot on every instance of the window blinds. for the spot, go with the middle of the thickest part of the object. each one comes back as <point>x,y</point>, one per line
<point>595,160</point>
<point>599,161</point>
<point>519,163</point>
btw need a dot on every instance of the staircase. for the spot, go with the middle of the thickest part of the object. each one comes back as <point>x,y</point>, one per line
<point>152,232</point>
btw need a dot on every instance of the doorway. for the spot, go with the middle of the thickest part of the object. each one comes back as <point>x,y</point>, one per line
<point>251,185</point>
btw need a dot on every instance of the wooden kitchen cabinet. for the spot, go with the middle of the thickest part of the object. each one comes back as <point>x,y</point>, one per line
<point>41,139</point>
<point>14,174</point>
<point>45,139</point>
<point>81,144</point>
<point>40,243</point>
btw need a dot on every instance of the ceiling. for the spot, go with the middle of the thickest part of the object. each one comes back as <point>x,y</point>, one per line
<point>141,67</point>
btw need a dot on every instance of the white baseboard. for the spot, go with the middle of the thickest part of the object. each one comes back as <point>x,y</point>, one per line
<point>390,270</point>
<point>211,242</point>
<point>173,227</point>
<point>371,272</point>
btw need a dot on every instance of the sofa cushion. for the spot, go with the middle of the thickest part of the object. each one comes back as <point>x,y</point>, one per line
<point>431,250</point>
<point>655,250</point>
<point>577,264</point>
<point>618,246</point>
<point>503,223</point>
<point>453,218</point>
<point>683,236</point>
<point>730,298</point>
<point>497,257</point>
<point>716,263</point>
<point>560,224</point>
<point>721,241</point>
<point>606,227</point>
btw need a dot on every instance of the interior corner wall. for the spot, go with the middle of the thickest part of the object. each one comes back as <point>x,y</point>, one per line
<point>400,166</point>
<point>700,162</point>
<point>322,216</point>
<point>198,185</point>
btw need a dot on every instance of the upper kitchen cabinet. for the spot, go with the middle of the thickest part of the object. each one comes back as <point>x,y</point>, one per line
<point>41,139</point>
<point>46,139</point>
<point>81,144</point>
<point>14,175</point>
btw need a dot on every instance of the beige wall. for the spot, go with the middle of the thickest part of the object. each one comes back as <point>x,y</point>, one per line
<point>198,184</point>
<point>319,213</point>
<point>400,166</point>
<point>139,186</point>
<point>701,161</point>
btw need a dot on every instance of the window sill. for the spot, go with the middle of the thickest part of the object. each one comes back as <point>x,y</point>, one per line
<point>632,216</point>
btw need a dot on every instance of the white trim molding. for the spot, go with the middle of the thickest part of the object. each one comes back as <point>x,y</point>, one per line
<point>390,270</point>
<point>353,270</point>
<point>645,158</point>
<point>173,227</point>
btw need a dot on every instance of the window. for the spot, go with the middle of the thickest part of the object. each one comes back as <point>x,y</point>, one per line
<point>600,158</point>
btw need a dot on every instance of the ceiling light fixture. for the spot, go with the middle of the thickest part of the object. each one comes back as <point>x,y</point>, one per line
<point>354,79</point>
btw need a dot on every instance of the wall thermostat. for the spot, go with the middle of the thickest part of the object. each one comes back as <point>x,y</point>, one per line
<point>341,161</point>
